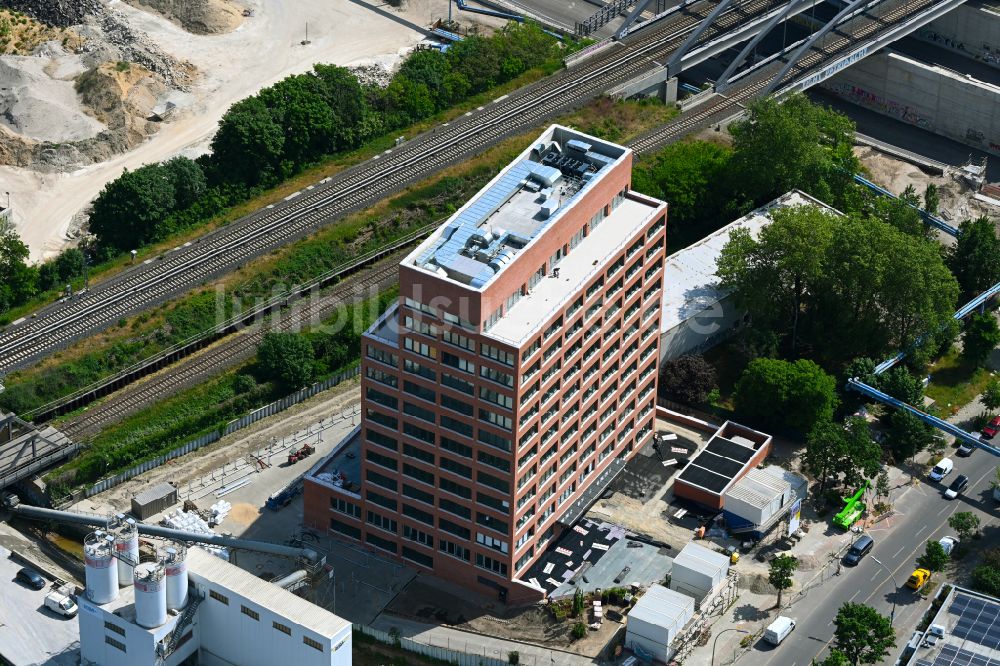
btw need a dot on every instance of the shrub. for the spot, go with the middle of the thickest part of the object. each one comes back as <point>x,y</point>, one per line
<point>579,631</point>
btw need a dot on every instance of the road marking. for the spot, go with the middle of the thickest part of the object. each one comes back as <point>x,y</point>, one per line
<point>875,575</point>
<point>896,554</point>
<point>896,570</point>
<point>943,510</point>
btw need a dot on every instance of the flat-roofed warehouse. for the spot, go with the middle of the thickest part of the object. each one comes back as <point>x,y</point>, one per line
<point>697,312</point>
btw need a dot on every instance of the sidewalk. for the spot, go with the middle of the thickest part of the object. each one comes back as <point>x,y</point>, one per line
<point>462,641</point>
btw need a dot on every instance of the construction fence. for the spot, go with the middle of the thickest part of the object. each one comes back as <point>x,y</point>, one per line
<point>231,427</point>
<point>434,652</point>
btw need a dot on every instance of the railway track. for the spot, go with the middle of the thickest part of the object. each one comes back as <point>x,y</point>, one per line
<point>229,352</point>
<point>857,29</point>
<point>217,253</point>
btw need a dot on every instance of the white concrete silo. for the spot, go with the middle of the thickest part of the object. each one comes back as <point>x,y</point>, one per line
<point>126,549</point>
<point>99,567</point>
<point>150,595</point>
<point>177,580</point>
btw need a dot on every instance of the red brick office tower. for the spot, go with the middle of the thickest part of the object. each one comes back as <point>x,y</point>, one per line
<point>518,367</point>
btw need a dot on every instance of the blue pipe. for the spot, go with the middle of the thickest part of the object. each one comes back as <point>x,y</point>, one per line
<point>928,218</point>
<point>934,421</point>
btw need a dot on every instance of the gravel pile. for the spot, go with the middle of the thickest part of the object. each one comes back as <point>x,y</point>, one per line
<point>59,13</point>
<point>135,46</point>
<point>372,75</point>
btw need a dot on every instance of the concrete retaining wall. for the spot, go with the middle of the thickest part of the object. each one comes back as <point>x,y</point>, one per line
<point>933,98</point>
<point>970,29</point>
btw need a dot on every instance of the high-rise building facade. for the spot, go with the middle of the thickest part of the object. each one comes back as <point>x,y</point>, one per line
<point>518,365</point>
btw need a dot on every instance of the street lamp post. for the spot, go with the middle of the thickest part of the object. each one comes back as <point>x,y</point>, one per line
<point>716,641</point>
<point>892,615</point>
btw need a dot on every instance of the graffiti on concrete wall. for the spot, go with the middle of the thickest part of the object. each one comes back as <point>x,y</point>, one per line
<point>974,135</point>
<point>870,100</point>
<point>988,53</point>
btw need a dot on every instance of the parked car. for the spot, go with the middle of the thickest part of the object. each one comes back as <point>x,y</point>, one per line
<point>858,550</point>
<point>948,543</point>
<point>965,449</point>
<point>778,630</point>
<point>991,428</point>
<point>941,470</point>
<point>960,483</point>
<point>918,578</point>
<point>31,578</point>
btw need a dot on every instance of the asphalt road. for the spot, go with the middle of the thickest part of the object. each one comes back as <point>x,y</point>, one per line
<point>922,514</point>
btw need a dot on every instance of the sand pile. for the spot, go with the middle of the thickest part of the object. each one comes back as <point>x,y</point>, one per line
<point>201,17</point>
<point>40,107</point>
<point>122,96</point>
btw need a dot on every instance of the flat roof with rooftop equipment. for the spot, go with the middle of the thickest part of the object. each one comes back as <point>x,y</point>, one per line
<point>965,631</point>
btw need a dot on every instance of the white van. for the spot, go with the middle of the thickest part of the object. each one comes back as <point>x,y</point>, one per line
<point>778,630</point>
<point>941,470</point>
<point>57,602</point>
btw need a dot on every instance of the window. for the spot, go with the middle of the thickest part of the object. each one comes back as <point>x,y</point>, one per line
<point>418,474</point>
<point>381,480</point>
<point>382,356</point>
<point>490,542</point>
<point>498,420</point>
<point>456,425</point>
<point>497,441</point>
<point>218,597</point>
<point>497,376</point>
<point>249,612</point>
<point>345,529</point>
<point>456,468</point>
<point>452,528</point>
<point>488,563</point>
<point>456,383</point>
<point>456,447</point>
<point>496,504</point>
<point>458,362</point>
<point>493,482</point>
<point>493,318</point>
<point>343,506</point>
<point>115,643</point>
<point>524,559</point>
<point>418,453</point>
<point>576,239</point>
<point>316,644</point>
<point>382,376</point>
<point>379,542</point>
<point>417,432</point>
<point>454,550</point>
<point>282,628</point>
<point>380,418</point>
<point>413,534</point>
<point>492,523</point>
<point>455,404</point>
<point>417,514</point>
<point>422,559</point>
<point>381,500</point>
<point>381,522</point>
<point>596,287</point>
<point>383,399</point>
<point>418,411</point>
<point>111,626</point>
<point>420,370</point>
<point>497,354</point>
<point>458,489</point>
<point>459,340</point>
<point>489,395</point>
<point>417,494</point>
<point>455,508</point>
<point>377,458</point>
<point>418,347</point>
<point>493,461</point>
<point>419,391</point>
<point>375,437</point>
<point>532,348</point>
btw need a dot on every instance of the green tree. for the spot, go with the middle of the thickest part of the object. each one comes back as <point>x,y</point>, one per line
<point>188,180</point>
<point>688,379</point>
<point>908,435</point>
<point>17,279</point>
<point>986,579</point>
<point>862,455</point>
<point>932,200</point>
<point>835,658</point>
<point>965,523</point>
<point>826,446</point>
<point>981,337</point>
<point>130,210</point>
<point>780,573</point>
<point>691,176</point>
<point>882,488</point>
<point>794,144</point>
<point>776,392</point>
<point>863,635</point>
<point>934,558</point>
<point>975,257</point>
<point>249,144</point>
<point>991,395</point>
<point>902,384</point>
<point>346,99</point>
<point>286,357</point>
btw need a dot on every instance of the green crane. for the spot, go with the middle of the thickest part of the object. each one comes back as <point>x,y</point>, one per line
<point>853,508</point>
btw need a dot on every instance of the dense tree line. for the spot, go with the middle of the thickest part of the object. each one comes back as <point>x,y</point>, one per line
<point>276,133</point>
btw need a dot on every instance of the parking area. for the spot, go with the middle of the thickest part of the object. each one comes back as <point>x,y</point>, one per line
<point>30,633</point>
